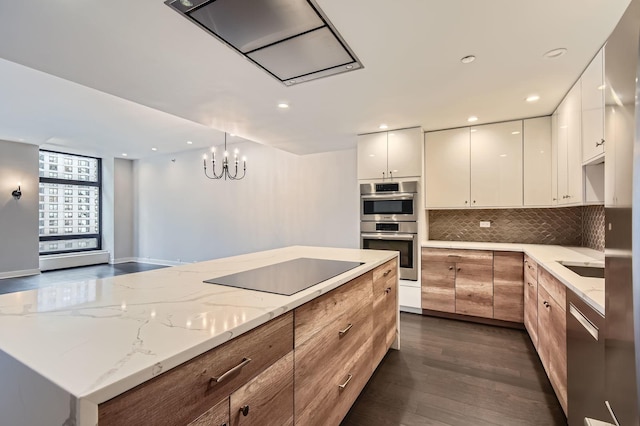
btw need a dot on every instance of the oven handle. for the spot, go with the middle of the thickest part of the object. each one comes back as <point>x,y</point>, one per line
<point>403,196</point>
<point>404,237</point>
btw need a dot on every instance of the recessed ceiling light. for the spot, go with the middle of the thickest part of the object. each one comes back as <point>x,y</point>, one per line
<point>468,59</point>
<point>189,143</point>
<point>124,154</point>
<point>154,149</point>
<point>515,133</point>
<point>349,67</point>
<point>383,126</point>
<point>555,53</point>
<point>283,105</point>
<point>472,119</point>
<point>532,98</point>
<point>186,3</point>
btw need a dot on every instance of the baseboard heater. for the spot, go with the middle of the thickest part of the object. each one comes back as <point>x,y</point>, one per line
<point>72,260</point>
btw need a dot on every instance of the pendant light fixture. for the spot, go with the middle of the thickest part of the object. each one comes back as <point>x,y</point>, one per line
<point>225,164</point>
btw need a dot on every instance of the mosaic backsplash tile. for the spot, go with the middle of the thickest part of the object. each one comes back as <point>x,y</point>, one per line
<point>593,227</point>
<point>562,226</point>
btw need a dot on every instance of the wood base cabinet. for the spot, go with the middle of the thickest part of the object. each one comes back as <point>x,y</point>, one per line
<point>257,377</point>
<point>478,283</point>
<point>531,299</point>
<point>552,332</point>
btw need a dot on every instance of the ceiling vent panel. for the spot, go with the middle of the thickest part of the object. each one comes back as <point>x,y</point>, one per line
<point>290,39</point>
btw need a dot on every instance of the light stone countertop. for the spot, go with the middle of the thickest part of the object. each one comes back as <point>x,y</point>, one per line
<point>591,290</point>
<point>98,338</point>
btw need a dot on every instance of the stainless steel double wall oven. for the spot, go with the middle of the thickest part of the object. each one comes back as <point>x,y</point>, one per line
<point>389,221</point>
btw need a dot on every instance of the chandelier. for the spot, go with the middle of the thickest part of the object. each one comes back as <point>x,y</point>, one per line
<point>225,164</point>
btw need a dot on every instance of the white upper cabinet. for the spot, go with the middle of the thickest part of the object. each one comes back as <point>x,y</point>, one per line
<point>554,159</point>
<point>537,162</point>
<point>404,152</point>
<point>592,82</point>
<point>570,181</point>
<point>392,154</point>
<point>496,165</point>
<point>447,168</point>
<point>372,156</point>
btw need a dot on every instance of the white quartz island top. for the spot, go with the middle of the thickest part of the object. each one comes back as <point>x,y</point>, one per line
<point>95,339</point>
<point>591,290</point>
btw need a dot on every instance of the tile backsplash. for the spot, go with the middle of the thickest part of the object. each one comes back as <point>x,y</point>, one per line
<point>572,226</point>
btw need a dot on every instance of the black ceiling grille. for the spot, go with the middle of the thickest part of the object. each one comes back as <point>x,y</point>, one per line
<point>290,39</point>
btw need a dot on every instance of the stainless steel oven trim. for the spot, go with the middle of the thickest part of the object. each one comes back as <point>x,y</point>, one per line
<point>400,196</point>
<point>405,273</point>
<point>390,236</point>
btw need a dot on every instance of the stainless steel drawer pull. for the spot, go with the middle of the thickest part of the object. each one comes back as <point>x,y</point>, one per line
<point>451,268</point>
<point>244,410</point>
<point>530,285</point>
<point>386,273</point>
<point>221,378</point>
<point>546,304</point>
<point>388,290</point>
<point>344,385</point>
<point>584,321</point>
<point>345,331</point>
<point>600,143</point>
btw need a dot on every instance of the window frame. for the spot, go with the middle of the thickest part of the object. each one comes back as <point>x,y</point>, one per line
<point>60,181</point>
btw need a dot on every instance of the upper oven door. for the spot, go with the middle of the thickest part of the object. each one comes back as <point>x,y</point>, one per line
<point>396,207</point>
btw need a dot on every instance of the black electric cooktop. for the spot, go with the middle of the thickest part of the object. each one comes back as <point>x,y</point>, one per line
<point>286,278</point>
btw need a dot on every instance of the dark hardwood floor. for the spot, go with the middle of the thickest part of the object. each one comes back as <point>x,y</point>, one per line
<point>48,278</point>
<point>451,372</point>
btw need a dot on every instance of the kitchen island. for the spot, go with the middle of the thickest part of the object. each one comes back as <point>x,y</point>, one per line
<point>85,353</point>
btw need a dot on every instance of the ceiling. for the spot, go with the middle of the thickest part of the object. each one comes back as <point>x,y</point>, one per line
<point>128,76</point>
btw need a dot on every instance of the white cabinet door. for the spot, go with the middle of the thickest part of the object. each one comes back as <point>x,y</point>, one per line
<point>496,165</point>
<point>447,168</point>
<point>372,156</point>
<point>537,161</point>
<point>592,85</point>
<point>562,137</point>
<point>404,148</point>
<point>554,158</point>
<point>575,173</point>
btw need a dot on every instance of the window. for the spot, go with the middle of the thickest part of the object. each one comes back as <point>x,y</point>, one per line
<point>77,192</point>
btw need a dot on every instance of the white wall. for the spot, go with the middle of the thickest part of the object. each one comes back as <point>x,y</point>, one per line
<point>181,216</point>
<point>18,218</point>
<point>123,210</point>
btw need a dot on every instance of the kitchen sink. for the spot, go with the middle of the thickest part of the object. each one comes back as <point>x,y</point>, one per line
<point>591,271</point>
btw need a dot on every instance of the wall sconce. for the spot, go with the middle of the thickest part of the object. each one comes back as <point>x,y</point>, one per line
<point>17,193</point>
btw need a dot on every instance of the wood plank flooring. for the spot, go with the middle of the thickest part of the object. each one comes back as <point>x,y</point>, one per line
<point>451,372</point>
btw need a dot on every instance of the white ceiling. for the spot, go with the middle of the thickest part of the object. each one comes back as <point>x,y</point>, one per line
<point>125,76</point>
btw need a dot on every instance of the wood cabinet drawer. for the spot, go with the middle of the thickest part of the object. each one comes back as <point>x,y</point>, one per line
<point>478,257</point>
<point>267,400</point>
<point>329,350</point>
<point>335,386</point>
<point>185,392</point>
<point>217,415</point>
<point>556,289</point>
<point>385,276</point>
<point>530,268</point>
<point>320,313</point>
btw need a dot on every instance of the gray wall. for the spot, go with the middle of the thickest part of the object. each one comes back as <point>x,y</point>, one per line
<point>285,199</point>
<point>18,218</point>
<point>123,210</point>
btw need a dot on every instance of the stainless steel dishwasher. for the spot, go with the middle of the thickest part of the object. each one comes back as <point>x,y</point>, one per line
<point>585,361</point>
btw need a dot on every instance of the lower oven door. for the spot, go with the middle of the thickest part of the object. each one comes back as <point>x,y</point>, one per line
<point>406,244</point>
